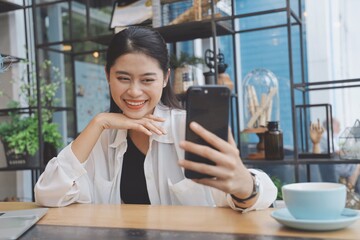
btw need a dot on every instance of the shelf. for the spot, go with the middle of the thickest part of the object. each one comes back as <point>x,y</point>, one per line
<point>8,6</point>
<point>181,32</point>
<point>17,168</point>
<point>328,161</point>
<point>192,30</point>
<point>26,110</point>
<point>326,85</point>
<point>7,61</point>
<point>5,111</point>
<point>10,59</point>
<point>286,161</point>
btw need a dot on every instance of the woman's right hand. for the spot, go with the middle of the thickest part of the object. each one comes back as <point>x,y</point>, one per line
<point>85,142</point>
<point>147,125</point>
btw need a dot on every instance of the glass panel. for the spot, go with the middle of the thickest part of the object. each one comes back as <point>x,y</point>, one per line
<point>100,18</point>
<point>88,47</point>
<point>79,25</point>
<point>90,21</point>
<point>294,5</point>
<point>250,6</point>
<point>52,23</point>
<point>296,51</point>
<point>260,21</point>
<point>270,19</point>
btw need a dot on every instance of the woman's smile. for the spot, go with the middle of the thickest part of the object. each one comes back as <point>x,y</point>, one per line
<point>135,104</point>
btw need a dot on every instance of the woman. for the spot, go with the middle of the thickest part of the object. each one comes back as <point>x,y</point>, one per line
<point>135,153</point>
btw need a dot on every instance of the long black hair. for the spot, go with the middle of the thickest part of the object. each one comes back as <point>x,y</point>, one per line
<point>144,40</point>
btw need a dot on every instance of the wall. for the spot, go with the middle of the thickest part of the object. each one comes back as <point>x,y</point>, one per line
<point>7,179</point>
<point>333,40</point>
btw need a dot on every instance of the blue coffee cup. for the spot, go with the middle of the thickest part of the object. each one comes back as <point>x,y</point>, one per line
<point>315,200</point>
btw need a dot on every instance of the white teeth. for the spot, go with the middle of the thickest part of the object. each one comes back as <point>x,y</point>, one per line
<point>135,103</point>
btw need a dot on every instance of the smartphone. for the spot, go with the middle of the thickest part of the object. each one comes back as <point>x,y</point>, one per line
<point>207,105</point>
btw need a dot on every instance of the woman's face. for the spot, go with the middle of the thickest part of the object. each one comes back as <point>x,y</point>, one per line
<point>136,83</point>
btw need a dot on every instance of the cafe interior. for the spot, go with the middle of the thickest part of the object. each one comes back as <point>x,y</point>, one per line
<point>290,66</point>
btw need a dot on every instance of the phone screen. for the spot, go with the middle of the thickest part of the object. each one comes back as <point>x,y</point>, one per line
<point>209,106</point>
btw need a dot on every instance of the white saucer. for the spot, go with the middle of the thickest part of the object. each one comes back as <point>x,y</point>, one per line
<point>348,217</point>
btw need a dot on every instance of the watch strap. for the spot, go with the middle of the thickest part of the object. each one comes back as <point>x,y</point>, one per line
<point>252,195</point>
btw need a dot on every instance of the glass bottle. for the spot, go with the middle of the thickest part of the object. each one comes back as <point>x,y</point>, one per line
<point>274,148</point>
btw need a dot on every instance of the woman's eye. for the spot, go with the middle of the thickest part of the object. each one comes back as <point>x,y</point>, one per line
<point>123,78</point>
<point>148,80</point>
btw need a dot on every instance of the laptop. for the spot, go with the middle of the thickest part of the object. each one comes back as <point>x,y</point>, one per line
<point>14,223</point>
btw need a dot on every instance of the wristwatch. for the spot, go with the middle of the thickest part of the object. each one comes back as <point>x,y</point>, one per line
<point>256,187</point>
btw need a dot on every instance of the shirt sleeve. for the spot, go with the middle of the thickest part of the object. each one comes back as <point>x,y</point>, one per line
<point>63,182</point>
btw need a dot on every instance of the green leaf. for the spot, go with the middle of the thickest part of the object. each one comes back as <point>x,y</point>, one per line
<point>277,182</point>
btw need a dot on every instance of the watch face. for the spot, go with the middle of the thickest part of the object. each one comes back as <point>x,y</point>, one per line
<point>256,184</point>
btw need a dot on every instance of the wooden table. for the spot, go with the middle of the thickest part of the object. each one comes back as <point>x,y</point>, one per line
<point>89,221</point>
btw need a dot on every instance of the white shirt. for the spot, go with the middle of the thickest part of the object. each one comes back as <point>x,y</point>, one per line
<point>97,180</point>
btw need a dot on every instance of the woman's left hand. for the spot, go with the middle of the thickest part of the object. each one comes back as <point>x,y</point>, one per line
<point>229,173</point>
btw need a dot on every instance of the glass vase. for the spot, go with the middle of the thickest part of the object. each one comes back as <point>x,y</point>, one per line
<point>261,98</point>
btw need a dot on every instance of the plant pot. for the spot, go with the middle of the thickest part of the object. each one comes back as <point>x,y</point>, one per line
<point>13,159</point>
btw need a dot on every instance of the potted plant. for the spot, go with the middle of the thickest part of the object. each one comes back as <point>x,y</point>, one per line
<point>278,183</point>
<point>183,67</point>
<point>20,133</point>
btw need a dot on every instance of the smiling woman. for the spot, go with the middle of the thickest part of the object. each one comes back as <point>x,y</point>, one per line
<point>136,84</point>
<point>135,153</point>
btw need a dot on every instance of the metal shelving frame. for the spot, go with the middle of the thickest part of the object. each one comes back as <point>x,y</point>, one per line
<point>213,28</point>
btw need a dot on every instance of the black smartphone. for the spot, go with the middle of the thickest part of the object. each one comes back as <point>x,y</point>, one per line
<point>207,105</point>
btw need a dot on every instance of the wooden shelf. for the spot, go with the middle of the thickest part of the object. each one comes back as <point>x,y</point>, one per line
<point>192,30</point>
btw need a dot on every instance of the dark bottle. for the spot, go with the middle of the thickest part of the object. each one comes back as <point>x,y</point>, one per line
<point>274,148</point>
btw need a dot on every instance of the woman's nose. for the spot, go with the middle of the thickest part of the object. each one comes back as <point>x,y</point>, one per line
<point>134,89</point>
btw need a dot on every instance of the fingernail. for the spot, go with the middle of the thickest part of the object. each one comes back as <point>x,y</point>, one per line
<point>194,124</point>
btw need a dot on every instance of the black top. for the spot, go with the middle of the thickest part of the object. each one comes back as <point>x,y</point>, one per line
<point>133,188</point>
